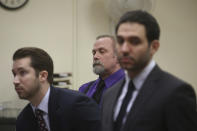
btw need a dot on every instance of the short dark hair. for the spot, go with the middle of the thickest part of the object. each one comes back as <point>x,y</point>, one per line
<point>40,60</point>
<point>142,17</point>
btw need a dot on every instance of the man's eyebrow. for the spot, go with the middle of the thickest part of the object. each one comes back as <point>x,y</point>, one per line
<point>100,48</point>
<point>118,36</point>
<point>18,69</point>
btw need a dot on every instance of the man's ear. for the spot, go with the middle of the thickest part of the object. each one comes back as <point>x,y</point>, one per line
<point>154,46</point>
<point>43,75</point>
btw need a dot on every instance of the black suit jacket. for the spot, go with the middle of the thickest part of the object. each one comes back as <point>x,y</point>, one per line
<point>68,111</point>
<point>164,103</point>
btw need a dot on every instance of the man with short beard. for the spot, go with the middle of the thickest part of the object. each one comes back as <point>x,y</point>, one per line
<point>149,98</point>
<point>50,108</point>
<point>106,65</point>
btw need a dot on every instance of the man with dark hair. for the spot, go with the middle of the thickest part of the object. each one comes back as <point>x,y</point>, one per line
<point>148,99</point>
<point>106,65</point>
<point>50,108</point>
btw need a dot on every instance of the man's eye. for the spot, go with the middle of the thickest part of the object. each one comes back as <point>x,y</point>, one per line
<point>120,41</point>
<point>134,41</point>
<point>102,51</point>
<point>22,73</point>
<point>93,52</point>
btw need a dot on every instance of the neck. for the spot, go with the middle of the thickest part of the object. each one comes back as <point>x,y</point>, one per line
<point>110,72</point>
<point>36,100</point>
<point>134,72</point>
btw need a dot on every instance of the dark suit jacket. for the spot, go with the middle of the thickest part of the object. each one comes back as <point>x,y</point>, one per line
<point>68,111</point>
<point>164,103</point>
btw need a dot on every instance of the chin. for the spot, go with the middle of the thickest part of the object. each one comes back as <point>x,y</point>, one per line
<point>22,96</point>
<point>126,66</point>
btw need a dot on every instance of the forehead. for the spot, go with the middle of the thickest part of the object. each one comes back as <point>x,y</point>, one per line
<point>128,29</point>
<point>104,42</point>
<point>21,63</point>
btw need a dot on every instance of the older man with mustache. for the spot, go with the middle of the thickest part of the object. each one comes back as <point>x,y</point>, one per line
<point>106,65</point>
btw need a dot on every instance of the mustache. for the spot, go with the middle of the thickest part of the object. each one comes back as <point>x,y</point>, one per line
<point>97,62</point>
<point>18,87</point>
<point>126,56</point>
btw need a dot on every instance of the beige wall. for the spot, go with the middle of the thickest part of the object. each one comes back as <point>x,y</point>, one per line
<point>47,24</point>
<point>66,29</point>
<point>177,54</point>
<point>92,21</point>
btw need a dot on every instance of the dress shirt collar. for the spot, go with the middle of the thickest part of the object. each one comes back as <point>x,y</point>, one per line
<point>44,103</point>
<point>138,82</point>
<point>109,81</point>
<point>140,78</point>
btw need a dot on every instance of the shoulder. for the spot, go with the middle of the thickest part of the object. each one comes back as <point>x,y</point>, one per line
<point>172,86</point>
<point>63,93</point>
<point>114,89</point>
<point>83,87</point>
<point>78,104</point>
<point>165,78</point>
<point>25,113</point>
<point>180,99</point>
<point>172,80</point>
<point>69,97</point>
<point>117,85</point>
<point>26,120</point>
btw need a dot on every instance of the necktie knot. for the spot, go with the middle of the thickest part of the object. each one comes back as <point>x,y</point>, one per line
<point>38,112</point>
<point>131,86</point>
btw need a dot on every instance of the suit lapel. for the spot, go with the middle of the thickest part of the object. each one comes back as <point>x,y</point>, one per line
<point>30,119</point>
<point>145,93</point>
<point>53,107</point>
<point>110,103</point>
<point>115,94</point>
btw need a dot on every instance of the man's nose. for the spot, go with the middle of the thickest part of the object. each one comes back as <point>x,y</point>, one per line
<point>125,47</point>
<point>16,80</point>
<point>96,56</point>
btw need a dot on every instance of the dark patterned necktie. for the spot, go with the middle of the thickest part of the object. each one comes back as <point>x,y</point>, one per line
<point>99,90</point>
<point>40,120</point>
<point>118,123</point>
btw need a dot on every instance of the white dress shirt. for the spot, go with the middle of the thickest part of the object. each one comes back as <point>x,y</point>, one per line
<point>138,82</point>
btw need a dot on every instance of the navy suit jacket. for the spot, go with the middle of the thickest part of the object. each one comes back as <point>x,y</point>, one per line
<point>164,103</point>
<point>68,111</point>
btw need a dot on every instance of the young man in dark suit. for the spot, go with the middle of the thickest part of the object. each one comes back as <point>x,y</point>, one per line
<point>50,108</point>
<point>148,99</point>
